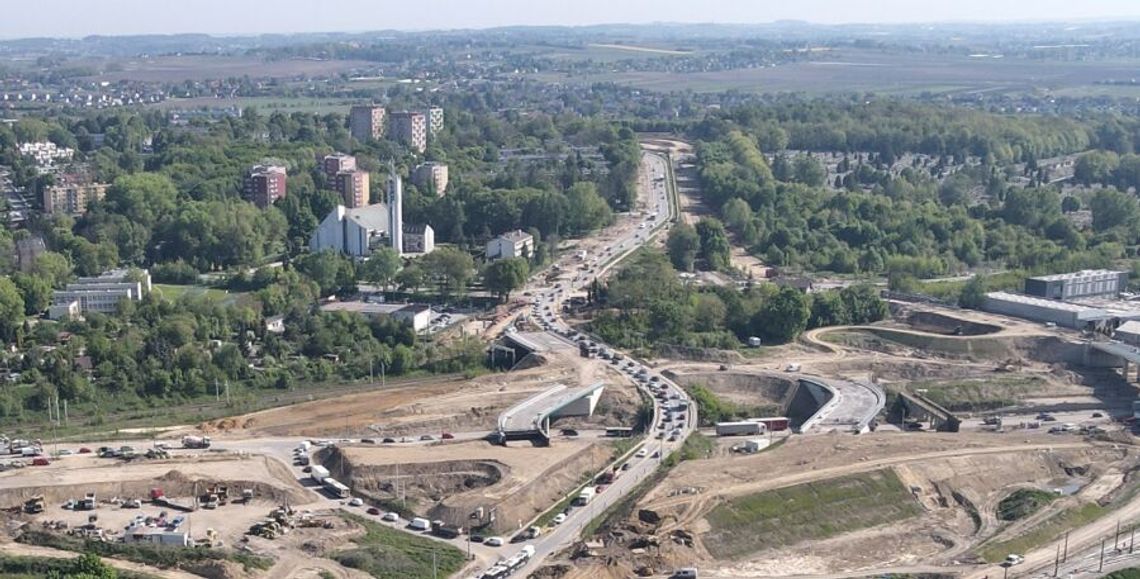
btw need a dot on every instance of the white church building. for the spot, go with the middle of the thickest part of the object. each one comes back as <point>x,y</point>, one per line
<point>356,232</point>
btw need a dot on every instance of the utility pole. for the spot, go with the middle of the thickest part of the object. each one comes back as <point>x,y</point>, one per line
<point>1132,540</point>
<point>1057,560</point>
<point>1065,556</point>
<point>1101,567</point>
<point>1116,539</point>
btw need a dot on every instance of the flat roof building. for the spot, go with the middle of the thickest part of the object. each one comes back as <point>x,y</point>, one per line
<point>335,163</point>
<point>1085,283</point>
<point>431,177</point>
<point>72,195</point>
<point>410,129</point>
<point>265,184</point>
<point>366,122</point>
<point>1045,310</point>
<point>416,315</point>
<point>353,187</point>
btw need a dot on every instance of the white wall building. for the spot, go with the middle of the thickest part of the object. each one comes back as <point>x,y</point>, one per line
<point>515,243</point>
<point>353,232</point>
<point>98,294</point>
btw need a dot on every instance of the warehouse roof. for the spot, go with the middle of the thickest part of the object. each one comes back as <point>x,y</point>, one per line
<point>1084,273</point>
<point>1043,303</point>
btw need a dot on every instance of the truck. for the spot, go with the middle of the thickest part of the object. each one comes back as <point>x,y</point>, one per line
<point>745,428</point>
<point>87,503</point>
<point>586,496</point>
<point>419,524</point>
<point>444,530</point>
<point>319,473</point>
<point>159,498</point>
<point>195,442</point>
<point>336,488</point>
<point>34,505</point>
<point>775,424</point>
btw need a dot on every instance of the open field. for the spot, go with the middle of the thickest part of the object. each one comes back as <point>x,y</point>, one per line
<point>389,554</point>
<point>174,292</point>
<point>812,511</point>
<point>856,70</point>
<point>203,67</point>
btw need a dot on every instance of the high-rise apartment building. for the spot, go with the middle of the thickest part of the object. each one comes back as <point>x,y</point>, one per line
<point>435,120</point>
<point>410,129</point>
<point>265,184</point>
<point>353,187</point>
<point>335,163</point>
<point>366,122</point>
<point>431,177</point>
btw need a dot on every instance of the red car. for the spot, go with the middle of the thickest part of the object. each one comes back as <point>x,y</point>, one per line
<point>373,511</point>
<point>40,461</point>
<point>84,450</point>
<point>447,436</point>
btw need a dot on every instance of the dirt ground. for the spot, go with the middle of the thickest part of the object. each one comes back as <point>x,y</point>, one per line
<point>941,470</point>
<point>450,481</point>
<point>450,405</point>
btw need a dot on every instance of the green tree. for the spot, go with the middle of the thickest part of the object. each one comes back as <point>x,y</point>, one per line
<point>11,310</point>
<point>683,244</point>
<point>1111,208</point>
<point>35,291</point>
<point>973,294</point>
<point>53,267</point>
<point>715,249</point>
<point>449,268</point>
<point>506,275</point>
<point>410,278</point>
<point>782,317</point>
<point>381,267</point>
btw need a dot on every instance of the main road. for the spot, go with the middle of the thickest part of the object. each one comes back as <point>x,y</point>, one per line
<point>653,216</point>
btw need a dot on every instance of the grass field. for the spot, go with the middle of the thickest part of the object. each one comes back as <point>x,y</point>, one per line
<point>978,395</point>
<point>389,554</point>
<point>173,292</point>
<point>1051,529</point>
<point>890,73</point>
<point>813,511</point>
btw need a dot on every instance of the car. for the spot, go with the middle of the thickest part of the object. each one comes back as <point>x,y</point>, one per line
<point>1098,415</point>
<point>559,519</point>
<point>368,441</point>
<point>660,435</point>
<point>1043,417</point>
<point>478,538</point>
<point>493,541</point>
<point>307,469</point>
<point>373,511</point>
<point>356,502</point>
<point>65,452</point>
<point>626,466</point>
<point>1013,559</point>
<point>656,454</point>
<point>390,517</point>
<point>569,432</point>
<point>427,437</point>
<point>84,450</point>
<point>388,440</point>
<point>642,453</point>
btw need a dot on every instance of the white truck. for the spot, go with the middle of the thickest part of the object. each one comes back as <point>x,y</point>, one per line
<point>319,473</point>
<point>586,496</point>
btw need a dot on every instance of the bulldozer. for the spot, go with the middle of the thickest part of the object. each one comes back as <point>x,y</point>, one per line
<point>34,505</point>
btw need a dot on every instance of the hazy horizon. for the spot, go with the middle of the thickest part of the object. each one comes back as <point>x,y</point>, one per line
<point>78,18</point>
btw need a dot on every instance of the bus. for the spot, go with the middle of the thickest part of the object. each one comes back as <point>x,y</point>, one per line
<point>336,488</point>
<point>619,432</point>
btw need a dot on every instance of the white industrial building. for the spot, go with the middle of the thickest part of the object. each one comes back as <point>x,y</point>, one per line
<point>1045,310</point>
<point>98,294</point>
<point>1129,333</point>
<point>515,243</point>
<point>416,315</point>
<point>1078,284</point>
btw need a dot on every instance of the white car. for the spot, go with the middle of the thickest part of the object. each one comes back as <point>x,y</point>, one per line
<point>390,517</point>
<point>642,453</point>
<point>493,542</point>
<point>356,502</point>
<point>559,518</point>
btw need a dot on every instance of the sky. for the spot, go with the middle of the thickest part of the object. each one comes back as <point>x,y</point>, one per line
<point>75,18</point>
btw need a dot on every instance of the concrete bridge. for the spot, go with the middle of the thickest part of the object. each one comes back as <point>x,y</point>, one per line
<point>531,418</point>
<point>918,407</point>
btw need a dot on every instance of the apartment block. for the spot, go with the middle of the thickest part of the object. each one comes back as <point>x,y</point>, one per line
<point>265,184</point>
<point>353,188</point>
<point>335,163</point>
<point>72,195</point>
<point>366,122</point>
<point>431,176</point>
<point>410,129</point>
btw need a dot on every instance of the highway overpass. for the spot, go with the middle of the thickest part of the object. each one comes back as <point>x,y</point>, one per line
<point>531,418</point>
